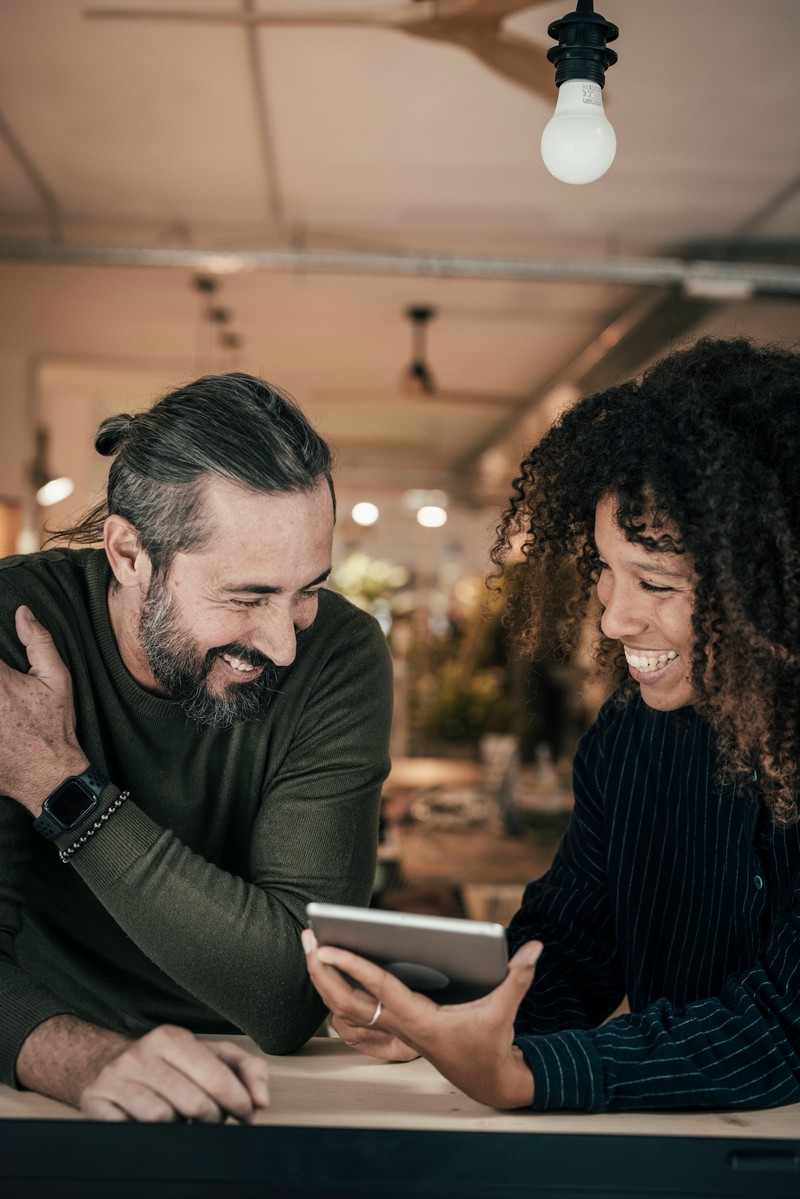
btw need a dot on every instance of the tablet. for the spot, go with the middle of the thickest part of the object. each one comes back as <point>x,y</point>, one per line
<point>450,960</point>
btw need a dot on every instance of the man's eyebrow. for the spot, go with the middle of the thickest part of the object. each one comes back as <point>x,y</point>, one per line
<point>266,589</point>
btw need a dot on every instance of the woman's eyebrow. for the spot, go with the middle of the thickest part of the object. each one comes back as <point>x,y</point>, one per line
<point>653,567</point>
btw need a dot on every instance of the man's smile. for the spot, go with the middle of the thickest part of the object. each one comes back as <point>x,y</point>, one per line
<point>240,666</point>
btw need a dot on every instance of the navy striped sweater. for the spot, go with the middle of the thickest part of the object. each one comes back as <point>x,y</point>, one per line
<point>680,894</point>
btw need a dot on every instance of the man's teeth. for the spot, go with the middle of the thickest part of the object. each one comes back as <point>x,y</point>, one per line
<point>238,664</point>
<point>649,662</point>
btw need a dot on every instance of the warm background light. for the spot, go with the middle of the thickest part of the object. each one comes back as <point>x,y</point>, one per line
<point>54,491</point>
<point>365,514</point>
<point>432,516</point>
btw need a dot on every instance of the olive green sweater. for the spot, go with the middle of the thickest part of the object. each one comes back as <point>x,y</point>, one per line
<point>186,907</point>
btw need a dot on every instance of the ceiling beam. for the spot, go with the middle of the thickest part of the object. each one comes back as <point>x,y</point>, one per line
<point>709,278</point>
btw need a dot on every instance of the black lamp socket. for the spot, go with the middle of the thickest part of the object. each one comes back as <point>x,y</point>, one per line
<point>582,52</point>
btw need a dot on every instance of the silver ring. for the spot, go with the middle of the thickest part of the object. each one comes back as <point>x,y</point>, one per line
<point>375,1015</point>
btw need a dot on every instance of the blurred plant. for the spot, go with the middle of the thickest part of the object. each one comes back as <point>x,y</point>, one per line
<point>461,682</point>
<point>366,580</point>
<point>452,701</point>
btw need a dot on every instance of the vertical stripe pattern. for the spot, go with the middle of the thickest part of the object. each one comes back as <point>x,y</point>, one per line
<point>680,894</point>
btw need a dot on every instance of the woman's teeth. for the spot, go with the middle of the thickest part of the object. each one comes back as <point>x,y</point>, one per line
<point>647,663</point>
<point>238,664</point>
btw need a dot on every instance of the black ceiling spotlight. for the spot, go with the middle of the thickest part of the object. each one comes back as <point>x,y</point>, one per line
<point>578,143</point>
<point>217,315</point>
<point>418,379</point>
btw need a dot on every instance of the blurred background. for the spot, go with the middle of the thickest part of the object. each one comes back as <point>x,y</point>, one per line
<point>347,197</point>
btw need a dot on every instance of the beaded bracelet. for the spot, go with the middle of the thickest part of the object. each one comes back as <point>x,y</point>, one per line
<point>66,854</point>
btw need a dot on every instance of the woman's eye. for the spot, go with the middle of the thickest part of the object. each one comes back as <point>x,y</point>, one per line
<point>652,587</point>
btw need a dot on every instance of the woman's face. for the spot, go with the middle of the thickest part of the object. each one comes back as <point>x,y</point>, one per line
<point>647,599</point>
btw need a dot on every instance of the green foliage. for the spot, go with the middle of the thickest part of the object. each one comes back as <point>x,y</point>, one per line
<point>456,703</point>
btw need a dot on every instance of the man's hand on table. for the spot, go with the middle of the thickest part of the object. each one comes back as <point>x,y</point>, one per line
<point>169,1075</point>
<point>38,744</point>
<point>166,1075</point>
<point>471,1044</point>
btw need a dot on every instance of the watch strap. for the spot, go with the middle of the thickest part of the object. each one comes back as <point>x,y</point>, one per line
<point>92,779</point>
<point>95,780</point>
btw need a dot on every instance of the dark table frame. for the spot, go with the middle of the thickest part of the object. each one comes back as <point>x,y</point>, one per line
<point>58,1159</point>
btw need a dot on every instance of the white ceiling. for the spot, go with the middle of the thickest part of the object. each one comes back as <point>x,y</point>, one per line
<point>148,134</point>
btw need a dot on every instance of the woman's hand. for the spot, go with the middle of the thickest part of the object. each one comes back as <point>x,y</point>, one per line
<point>372,1041</point>
<point>471,1044</point>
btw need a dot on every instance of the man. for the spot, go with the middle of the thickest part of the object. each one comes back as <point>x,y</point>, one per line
<point>222,723</point>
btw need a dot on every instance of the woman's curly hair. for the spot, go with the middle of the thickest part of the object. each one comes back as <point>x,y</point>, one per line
<point>706,445</point>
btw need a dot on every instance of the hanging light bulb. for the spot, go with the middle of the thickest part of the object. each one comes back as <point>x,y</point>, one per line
<point>578,143</point>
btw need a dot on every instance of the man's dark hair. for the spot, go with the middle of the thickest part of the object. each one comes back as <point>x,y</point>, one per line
<point>705,446</point>
<point>233,427</point>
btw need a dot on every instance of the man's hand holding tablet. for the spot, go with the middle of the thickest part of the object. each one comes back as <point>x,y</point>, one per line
<point>471,1043</point>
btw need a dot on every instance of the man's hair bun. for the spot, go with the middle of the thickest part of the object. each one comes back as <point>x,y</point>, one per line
<point>111,434</point>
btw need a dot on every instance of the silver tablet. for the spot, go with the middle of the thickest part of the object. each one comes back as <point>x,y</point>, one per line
<point>450,960</point>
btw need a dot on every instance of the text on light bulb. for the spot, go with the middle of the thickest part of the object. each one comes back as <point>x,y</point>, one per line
<point>578,142</point>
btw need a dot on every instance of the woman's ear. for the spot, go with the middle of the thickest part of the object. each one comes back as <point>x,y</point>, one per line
<point>129,562</point>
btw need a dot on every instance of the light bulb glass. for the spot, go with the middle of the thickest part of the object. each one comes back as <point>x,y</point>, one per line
<point>55,490</point>
<point>432,516</point>
<point>365,514</point>
<point>578,142</point>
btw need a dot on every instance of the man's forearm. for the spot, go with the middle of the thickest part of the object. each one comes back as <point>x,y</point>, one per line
<point>63,1054</point>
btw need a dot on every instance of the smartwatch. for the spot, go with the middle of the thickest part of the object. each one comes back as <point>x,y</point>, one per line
<point>70,803</point>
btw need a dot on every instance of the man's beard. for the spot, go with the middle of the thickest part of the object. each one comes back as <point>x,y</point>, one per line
<point>182,671</point>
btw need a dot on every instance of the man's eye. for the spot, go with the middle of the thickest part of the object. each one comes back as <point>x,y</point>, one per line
<point>309,594</point>
<point>240,603</point>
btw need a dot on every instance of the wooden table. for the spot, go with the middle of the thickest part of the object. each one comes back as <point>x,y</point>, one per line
<point>343,1125</point>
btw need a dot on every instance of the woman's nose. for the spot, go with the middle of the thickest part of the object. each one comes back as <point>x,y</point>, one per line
<point>623,616</point>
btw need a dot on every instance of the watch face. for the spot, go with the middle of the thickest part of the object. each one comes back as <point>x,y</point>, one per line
<point>70,802</point>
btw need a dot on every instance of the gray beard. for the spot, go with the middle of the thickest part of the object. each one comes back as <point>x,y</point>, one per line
<point>182,672</point>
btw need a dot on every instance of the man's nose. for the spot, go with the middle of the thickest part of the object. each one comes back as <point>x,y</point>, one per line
<point>276,637</point>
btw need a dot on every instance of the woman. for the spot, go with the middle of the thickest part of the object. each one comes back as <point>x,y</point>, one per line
<point>676,500</point>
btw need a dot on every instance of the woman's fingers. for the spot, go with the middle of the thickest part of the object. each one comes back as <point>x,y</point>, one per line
<point>357,1005</point>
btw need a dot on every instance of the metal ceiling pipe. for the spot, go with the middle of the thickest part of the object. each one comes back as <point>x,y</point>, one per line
<point>705,278</point>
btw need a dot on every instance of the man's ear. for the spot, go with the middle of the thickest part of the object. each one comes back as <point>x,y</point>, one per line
<point>129,562</point>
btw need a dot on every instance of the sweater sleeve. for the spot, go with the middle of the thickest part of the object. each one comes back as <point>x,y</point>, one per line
<point>738,1050</point>
<point>234,944</point>
<point>24,1001</point>
<point>579,976</point>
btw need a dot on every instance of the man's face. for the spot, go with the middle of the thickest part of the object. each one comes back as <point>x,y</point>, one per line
<point>648,600</point>
<point>213,631</point>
